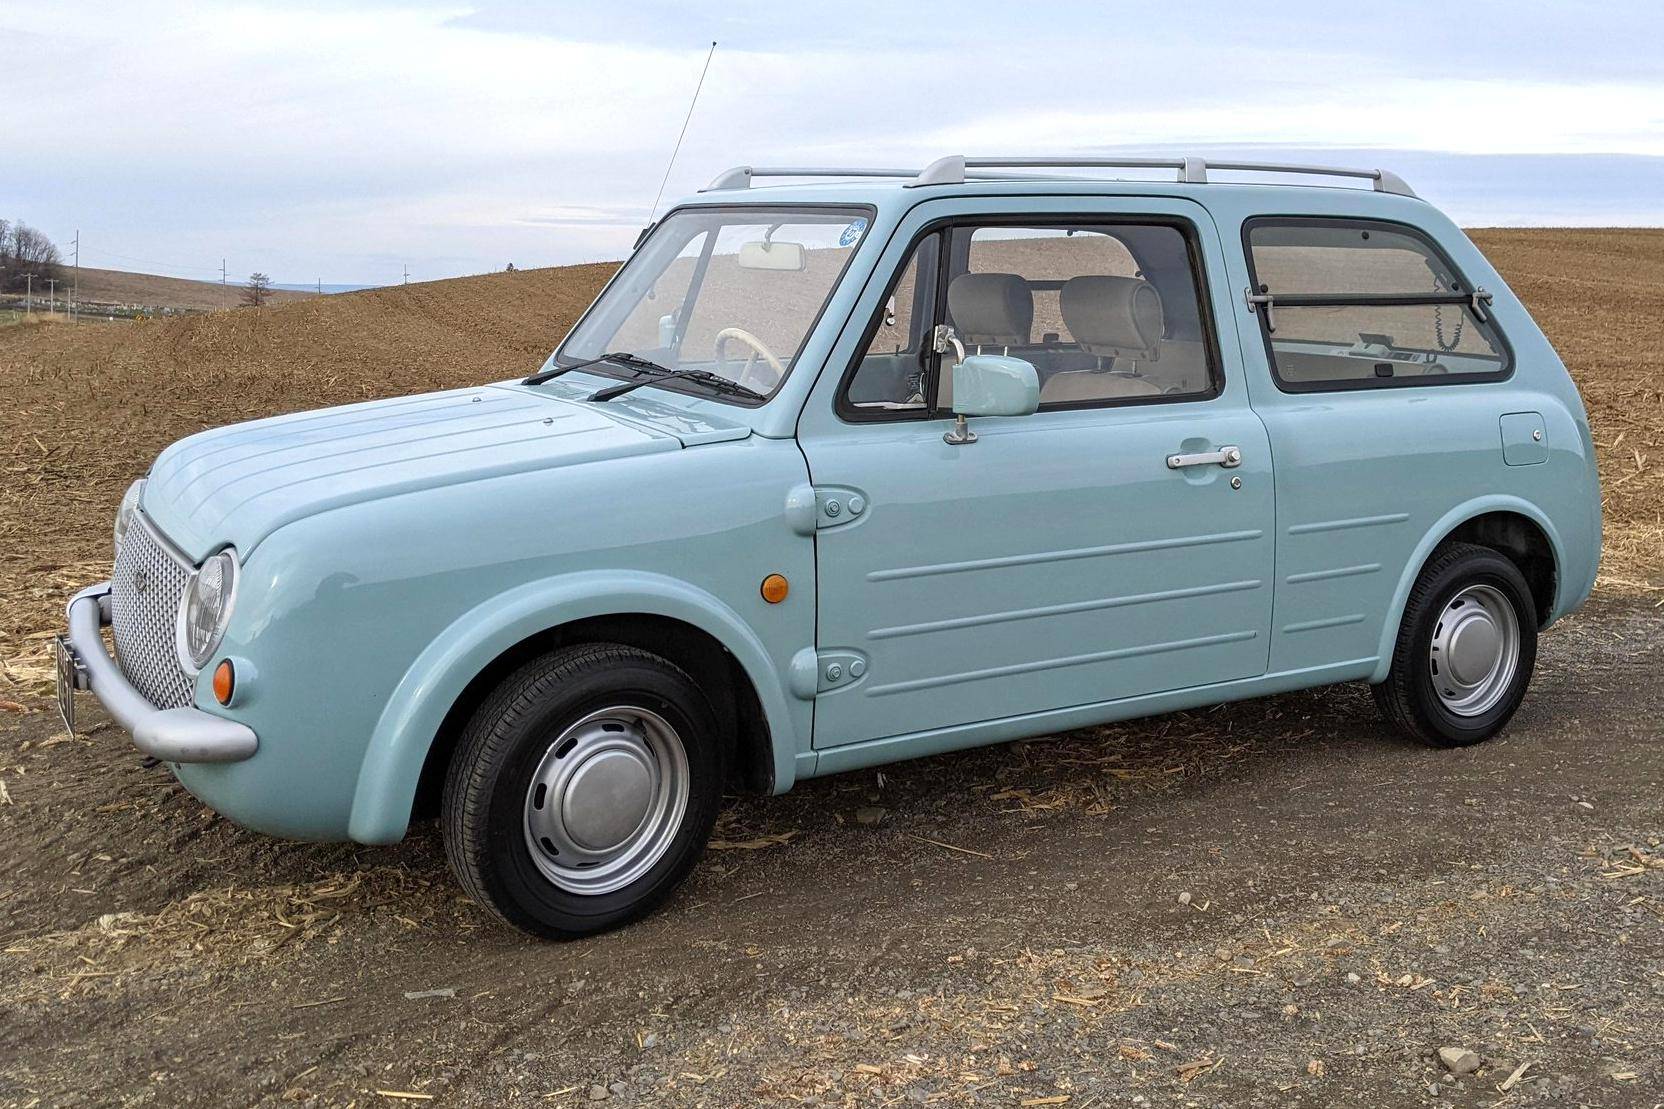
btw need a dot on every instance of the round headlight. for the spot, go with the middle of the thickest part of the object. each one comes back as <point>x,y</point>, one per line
<point>205,609</point>
<point>129,505</point>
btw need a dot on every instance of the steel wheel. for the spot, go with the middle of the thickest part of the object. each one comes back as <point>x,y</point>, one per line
<point>607,800</point>
<point>1475,650</point>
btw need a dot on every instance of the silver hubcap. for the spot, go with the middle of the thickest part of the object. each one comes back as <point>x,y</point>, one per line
<point>607,799</point>
<point>1475,650</point>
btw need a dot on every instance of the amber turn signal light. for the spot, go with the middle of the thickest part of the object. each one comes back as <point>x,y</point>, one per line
<point>775,588</point>
<point>225,682</point>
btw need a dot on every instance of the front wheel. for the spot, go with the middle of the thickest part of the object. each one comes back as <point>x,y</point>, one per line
<point>583,790</point>
<point>1466,647</point>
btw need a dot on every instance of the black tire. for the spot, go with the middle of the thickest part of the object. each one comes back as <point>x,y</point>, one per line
<point>1408,698</point>
<point>485,807</point>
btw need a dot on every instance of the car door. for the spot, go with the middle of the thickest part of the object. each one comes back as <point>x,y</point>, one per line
<point>1115,543</point>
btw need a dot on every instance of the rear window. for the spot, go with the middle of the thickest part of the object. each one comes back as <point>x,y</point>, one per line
<point>1356,304</point>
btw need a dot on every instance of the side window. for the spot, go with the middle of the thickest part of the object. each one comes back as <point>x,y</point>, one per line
<point>1356,304</point>
<point>1107,313</point>
<point>889,377</point>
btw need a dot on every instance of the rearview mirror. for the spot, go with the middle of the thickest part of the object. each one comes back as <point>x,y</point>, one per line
<point>776,255</point>
<point>995,385</point>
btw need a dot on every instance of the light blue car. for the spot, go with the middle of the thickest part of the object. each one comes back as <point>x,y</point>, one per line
<point>880,465</point>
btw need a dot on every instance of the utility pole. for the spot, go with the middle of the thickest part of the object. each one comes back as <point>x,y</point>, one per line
<point>75,296</point>
<point>320,286</point>
<point>51,295</point>
<point>222,271</point>
<point>407,274</point>
<point>29,294</point>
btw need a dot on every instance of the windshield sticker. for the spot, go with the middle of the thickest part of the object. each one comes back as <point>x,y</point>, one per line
<point>853,232</point>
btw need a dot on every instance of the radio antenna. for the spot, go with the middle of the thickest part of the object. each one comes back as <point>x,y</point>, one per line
<point>685,121</point>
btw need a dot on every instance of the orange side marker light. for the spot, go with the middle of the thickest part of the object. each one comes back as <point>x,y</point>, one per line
<point>775,588</point>
<point>225,682</point>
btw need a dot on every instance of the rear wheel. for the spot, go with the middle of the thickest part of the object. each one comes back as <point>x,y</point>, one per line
<point>1466,648</point>
<point>583,790</point>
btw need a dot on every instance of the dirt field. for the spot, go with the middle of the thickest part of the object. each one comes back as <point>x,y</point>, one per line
<point>120,287</point>
<point>1272,903</point>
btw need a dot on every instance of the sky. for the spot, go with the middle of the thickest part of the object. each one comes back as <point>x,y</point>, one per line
<point>343,141</point>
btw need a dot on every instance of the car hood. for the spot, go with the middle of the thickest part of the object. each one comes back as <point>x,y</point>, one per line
<point>238,484</point>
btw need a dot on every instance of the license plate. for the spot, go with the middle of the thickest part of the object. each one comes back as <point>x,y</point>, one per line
<point>67,671</point>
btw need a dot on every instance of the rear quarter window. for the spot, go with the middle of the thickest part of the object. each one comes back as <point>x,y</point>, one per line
<point>1360,304</point>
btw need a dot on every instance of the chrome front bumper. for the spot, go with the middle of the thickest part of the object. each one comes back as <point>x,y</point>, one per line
<point>172,735</point>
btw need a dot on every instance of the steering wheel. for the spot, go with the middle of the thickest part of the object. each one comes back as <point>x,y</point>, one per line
<point>751,375</point>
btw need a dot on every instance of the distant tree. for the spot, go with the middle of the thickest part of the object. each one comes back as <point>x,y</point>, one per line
<point>257,291</point>
<point>510,268</point>
<point>23,251</point>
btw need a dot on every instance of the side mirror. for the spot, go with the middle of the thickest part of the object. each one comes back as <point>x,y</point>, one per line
<point>991,385</point>
<point>995,385</point>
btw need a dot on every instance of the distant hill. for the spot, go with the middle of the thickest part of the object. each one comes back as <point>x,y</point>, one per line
<point>151,291</point>
<point>325,287</point>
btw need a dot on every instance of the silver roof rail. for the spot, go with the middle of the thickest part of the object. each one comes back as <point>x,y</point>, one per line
<point>1191,170</point>
<point>956,169</point>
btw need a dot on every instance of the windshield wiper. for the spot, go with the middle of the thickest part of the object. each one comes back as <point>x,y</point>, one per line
<point>715,382</point>
<point>621,357</point>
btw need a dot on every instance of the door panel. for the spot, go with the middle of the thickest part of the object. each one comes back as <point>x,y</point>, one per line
<point>1056,561</point>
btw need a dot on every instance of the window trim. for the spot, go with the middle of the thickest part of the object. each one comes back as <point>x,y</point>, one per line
<point>945,226</point>
<point>867,211</point>
<point>1294,301</point>
<point>846,409</point>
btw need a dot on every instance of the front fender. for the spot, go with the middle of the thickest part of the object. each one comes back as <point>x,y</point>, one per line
<point>1449,522</point>
<point>392,765</point>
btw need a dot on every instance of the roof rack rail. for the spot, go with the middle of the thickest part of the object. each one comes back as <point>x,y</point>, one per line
<point>956,169</point>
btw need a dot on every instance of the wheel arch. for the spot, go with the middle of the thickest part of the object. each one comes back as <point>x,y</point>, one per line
<point>1510,525</point>
<point>416,732</point>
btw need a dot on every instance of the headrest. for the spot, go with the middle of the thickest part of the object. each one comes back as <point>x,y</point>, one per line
<point>995,309</point>
<point>1113,317</point>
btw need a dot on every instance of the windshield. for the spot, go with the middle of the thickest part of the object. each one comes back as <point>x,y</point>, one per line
<point>732,291</point>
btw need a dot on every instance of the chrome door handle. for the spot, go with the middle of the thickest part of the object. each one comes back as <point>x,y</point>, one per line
<point>1228,457</point>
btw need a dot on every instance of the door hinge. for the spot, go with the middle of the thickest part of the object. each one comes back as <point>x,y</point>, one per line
<point>812,508</point>
<point>836,505</point>
<point>814,672</point>
<point>838,669</point>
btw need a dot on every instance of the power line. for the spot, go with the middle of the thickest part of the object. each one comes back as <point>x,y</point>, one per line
<point>651,215</point>
<point>154,262</point>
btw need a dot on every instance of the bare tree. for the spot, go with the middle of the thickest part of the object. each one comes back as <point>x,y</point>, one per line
<point>24,250</point>
<point>257,291</point>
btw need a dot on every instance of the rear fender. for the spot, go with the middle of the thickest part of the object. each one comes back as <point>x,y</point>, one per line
<point>1448,523</point>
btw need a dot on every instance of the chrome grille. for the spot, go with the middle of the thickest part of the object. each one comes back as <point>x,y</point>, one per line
<point>145,589</point>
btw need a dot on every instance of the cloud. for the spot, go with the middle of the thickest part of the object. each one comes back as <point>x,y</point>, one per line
<point>346,139</point>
